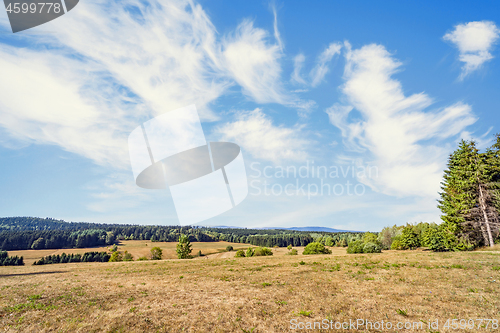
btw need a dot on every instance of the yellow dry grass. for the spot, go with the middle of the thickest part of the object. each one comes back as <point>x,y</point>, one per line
<point>138,248</point>
<point>258,294</point>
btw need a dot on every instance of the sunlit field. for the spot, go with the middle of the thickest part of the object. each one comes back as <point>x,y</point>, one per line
<point>220,293</point>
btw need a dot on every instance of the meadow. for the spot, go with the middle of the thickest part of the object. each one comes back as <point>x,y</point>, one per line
<point>220,293</point>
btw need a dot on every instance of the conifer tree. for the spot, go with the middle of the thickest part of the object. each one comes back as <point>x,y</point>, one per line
<point>459,197</point>
<point>469,198</point>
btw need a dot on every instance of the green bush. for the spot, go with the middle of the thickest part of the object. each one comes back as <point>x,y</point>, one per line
<point>368,237</point>
<point>316,248</point>
<point>355,247</point>
<point>371,248</point>
<point>229,248</point>
<point>409,238</point>
<point>293,252</point>
<point>127,257</point>
<point>262,251</point>
<point>142,258</point>
<point>250,252</point>
<point>289,247</point>
<point>396,244</point>
<point>240,254</point>
<point>116,256</point>
<point>434,239</point>
<point>156,253</point>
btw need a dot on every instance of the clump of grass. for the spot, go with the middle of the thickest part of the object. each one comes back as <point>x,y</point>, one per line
<point>402,312</point>
<point>266,284</point>
<point>302,262</point>
<point>34,297</point>
<point>305,313</point>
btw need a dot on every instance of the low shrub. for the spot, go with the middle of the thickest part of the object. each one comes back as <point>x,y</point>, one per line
<point>229,248</point>
<point>355,247</point>
<point>250,252</point>
<point>240,254</point>
<point>316,248</point>
<point>293,252</point>
<point>289,247</point>
<point>116,256</point>
<point>156,253</point>
<point>262,251</point>
<point>396,244</point>
<point>371,247</point>
<point>142,258</point>
<point>127,256</point>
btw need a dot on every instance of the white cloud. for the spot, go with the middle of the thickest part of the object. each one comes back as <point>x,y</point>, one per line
<point>401,135</point>
<point>277,35</point>
<point>256,133</point>
<point>474,41</point>
<point>113,66</point>
<point>321,68</point>
<point>298,62</point>
<point>253,63</point>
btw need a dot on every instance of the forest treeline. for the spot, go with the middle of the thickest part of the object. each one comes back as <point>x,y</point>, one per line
<point>469,202</point>
<point>23,233</point>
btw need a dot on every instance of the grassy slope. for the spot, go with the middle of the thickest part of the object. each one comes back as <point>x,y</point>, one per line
<point>238,294</point>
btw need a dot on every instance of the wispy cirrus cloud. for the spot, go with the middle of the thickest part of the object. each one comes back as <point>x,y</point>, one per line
<point>257,134</point>
<point>253,62</point>
<point>402,137</point>
<point>298,63</point>
<point>474,41</point>
<point>321,69</point>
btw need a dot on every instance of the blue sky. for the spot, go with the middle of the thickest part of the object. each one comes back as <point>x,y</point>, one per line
<point>387,85</point>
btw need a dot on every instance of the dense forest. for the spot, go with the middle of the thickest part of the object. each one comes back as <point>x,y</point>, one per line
<point>23,233</point>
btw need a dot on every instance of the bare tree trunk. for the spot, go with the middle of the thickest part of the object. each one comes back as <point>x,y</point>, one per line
<point>486,221</point>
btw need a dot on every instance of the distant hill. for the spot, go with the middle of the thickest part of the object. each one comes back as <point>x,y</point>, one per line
<point>26,223</point>
<point>317,229</point>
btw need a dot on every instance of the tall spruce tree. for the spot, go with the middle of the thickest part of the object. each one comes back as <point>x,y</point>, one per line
<point>459,197</point>
<point>468,198</point>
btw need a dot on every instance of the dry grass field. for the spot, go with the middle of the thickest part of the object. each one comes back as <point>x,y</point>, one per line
<point>137,248</point>
<point>258,294</point>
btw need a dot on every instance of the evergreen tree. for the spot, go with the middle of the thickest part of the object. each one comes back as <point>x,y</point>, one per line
<point>468,201</point>
<point>459,197</point>
<point>184,247</point>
